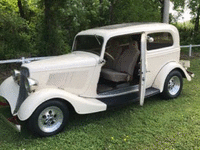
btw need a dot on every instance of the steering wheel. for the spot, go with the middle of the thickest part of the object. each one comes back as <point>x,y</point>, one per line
<point>110,56</point>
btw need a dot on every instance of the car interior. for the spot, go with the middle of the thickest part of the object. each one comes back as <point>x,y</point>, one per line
<point>122,65</point>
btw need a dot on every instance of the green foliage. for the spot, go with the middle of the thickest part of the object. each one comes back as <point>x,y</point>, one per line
<point>193,5</point>
<point>43,27</point>
<point>14,33</point>
<point>131,11</point>
<point>79,15</point>
<point>195,12</point>
<point>187,33</point>
<point>179,4</point>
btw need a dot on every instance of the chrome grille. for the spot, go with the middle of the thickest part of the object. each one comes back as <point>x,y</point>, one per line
<point>22,91</point>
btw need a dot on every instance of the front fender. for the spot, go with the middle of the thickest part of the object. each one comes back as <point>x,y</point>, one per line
<point>163,73</point>
<point>10,91</point>
<point>81,105</point>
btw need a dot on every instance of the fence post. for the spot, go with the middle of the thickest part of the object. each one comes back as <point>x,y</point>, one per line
<point>190,50</point>
<point>23,60</point>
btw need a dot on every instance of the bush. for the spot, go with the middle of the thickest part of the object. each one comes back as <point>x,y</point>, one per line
<point>14,36</point>
<point>187,34</point>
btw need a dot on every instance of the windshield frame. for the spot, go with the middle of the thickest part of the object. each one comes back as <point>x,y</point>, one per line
<point>99,41</point>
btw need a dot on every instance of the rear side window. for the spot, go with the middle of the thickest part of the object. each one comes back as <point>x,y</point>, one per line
<point>159,40</point>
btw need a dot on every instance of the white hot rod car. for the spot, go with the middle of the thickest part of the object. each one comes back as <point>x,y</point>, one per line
<point>109,66</point>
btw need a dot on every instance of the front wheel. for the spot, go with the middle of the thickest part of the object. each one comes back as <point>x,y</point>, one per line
<point>49,118</point>
<point>173,85</point>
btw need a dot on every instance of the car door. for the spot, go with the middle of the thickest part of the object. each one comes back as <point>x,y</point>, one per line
<point>160,51</point>
<point>143,65</point>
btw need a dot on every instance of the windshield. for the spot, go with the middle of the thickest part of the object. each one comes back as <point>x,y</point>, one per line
<point>89,43</point>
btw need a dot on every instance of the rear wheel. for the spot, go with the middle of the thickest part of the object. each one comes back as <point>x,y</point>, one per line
<point>173,85</point>
<point>49,118</point>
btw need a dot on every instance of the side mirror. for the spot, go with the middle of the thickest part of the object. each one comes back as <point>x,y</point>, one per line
<point>150,39</point>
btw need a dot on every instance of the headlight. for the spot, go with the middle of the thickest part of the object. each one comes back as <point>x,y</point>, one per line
<point>16,76</point>
<point>30,85</point>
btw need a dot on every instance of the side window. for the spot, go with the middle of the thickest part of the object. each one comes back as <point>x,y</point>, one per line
<point>159,40</point>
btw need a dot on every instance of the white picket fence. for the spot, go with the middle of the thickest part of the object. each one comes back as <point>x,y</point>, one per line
<point>23,60</point>
<point>190,48</point>
<point>26,60</point>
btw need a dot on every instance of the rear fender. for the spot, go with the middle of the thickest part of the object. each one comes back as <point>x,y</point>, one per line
<point>81,105</point>
<point>163,73</point>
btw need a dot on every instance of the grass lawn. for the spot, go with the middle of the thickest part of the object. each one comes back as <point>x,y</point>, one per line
<point>159,124</point>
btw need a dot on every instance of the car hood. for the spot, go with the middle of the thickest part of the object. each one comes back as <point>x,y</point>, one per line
<point>72,60</point>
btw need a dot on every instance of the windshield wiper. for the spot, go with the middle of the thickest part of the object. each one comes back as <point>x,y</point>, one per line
<point>97,39</point>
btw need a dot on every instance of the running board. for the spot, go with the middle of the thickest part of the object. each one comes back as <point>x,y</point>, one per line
<point>117,101</point>
<point>151,92</point>
<point>119,92</point>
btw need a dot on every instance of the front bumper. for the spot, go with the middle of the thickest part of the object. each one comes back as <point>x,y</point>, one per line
<point>190,73</point>
<point>10,91</point>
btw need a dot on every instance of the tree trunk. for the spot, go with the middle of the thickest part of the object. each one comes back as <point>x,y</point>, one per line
<point>111,14</point>
<point>162,9</point>
<point>47,21</point>
<point>21,11</point>
<point>50,29</point>
<point>111,17</point>
<point>100,12</point>
<point>47,13</point>
<point>196,27</point>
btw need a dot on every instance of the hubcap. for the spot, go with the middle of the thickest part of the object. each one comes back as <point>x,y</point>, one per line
<point>50,119</point>
<point>174,85</point>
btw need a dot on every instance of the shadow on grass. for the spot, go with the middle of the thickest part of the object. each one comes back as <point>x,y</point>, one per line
<point>77,121</point>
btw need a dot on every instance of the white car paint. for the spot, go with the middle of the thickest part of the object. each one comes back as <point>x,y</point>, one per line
<point>157,59</point>
<point>10,91</point>
<point>72,72</point>
<point>67,61</point>
<point>143,69</point>
<point>81,105</point>
<point>162,75</point>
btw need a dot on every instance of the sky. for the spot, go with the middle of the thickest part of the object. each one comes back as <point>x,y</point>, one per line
<point>186,15</point>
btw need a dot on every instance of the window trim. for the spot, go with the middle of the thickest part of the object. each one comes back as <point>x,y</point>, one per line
<point>161,32</point>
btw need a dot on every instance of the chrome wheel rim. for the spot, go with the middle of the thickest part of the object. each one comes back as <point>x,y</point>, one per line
<point>50,119</point>
<point>174,85</point>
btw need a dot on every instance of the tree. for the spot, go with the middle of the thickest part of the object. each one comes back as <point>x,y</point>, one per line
<point>161,9</point>
<point>134,11</point>
<point>21,10</point>
<point>47,27</point>
<point>14,37</point>
<point>50,41</point>
<point>194,5</point>
<point>25,10</point>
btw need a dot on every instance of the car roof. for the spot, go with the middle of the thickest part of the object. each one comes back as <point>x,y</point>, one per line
<point>123,25</point>
<point>129,28</point>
